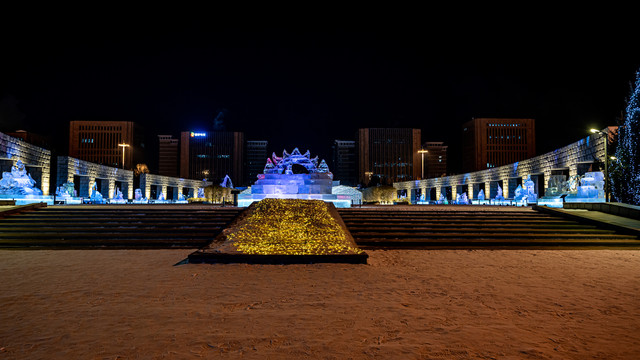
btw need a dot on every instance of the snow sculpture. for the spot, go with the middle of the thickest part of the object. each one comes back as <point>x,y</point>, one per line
<point>18,182</point>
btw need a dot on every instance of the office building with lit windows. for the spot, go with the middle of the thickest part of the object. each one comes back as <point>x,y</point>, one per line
<point>99,142</point>
<point>435,159</point>
<point>212,155</point>
<point>388,155</point>
<point>493,142</point>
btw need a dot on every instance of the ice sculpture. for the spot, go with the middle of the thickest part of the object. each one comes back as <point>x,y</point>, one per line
<point>161,196</point>
<point>294,176</point>
<point>66,190</point>
<point>481,195</point>
<point>226,182</point>
<point>462,199</point>
<point>96,196</point>
<point>201,193</point>
<point>138,198</point>
<point>499,195</point>
<point>557,185</point>
<point>18,182</point>
<point>591,186</point>
<point>117,197</point>
<point>518,194</point>
<point>530,190</point>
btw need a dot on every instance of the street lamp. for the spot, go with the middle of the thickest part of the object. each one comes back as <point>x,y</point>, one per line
<point>422,151</point>
<point>123,147</point>
<point>606,161</point>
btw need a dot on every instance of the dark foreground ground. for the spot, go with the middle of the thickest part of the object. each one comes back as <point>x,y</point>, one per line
<point>403,304</point>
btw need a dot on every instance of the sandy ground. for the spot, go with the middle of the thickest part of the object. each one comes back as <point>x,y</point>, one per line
<point>441,304</point>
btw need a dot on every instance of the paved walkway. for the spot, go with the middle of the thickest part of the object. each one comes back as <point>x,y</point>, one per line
<point>608,218</point>
<point>621,223</point>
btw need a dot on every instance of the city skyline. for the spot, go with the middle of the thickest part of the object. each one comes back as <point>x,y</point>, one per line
<point>307,87</point>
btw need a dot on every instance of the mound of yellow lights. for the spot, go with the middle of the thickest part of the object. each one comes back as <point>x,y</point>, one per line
<point>288,227</point>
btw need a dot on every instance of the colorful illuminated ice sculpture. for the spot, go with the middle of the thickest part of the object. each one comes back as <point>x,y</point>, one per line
<point>18,182</point>
<point>118,198</point>
<point>462,199</point>
<point>499,194</point>
<point>294,176</point>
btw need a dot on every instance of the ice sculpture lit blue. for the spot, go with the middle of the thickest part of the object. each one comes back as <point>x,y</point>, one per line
<point>462,199</point>
<point>18,182</point>
<point>586,188</point>
<point>118,198</point>
<point>96,196</point>
<point>294,176</point>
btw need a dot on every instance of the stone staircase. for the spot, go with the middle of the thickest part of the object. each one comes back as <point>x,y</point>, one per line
<point>468,227</point>
<point>115,226</point>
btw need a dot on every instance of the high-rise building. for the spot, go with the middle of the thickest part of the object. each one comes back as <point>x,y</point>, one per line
<point>106,142</point>
<point>435,159</point>
<point>492,142</point>
<point>388,155</point>
<point>256,158</point>
<point>212,156</point>
<point>344,162</point>
<point>168,155</point>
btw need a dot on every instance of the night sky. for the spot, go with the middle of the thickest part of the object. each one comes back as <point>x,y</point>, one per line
<point>306,84</point>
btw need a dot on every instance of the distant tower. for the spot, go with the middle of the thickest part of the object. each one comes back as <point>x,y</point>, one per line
<point>256,157</point>
<point>435,161</point>
<point>167,155</point>
<point>389,154</point>
<point>344,165</point>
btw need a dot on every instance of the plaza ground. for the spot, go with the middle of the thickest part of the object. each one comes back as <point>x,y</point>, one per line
<point>403,304</point>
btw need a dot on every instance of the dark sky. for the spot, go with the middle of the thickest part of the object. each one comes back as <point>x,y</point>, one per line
<point>306,84</point>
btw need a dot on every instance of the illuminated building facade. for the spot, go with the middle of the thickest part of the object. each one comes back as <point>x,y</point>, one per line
<point>212,155</point>
<point>98,142</point>
<point>435,160</point>
<point>256,157</point>
<point>344,165</point>
<point>493,142</point>
<point>168,149</point>
<point>388,155</point>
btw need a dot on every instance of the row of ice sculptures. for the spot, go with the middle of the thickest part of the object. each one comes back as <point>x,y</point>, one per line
<point>521,194</point>
<point>67,190</point>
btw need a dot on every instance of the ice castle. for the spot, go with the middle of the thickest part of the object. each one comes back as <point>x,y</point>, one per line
<point>294,176</point>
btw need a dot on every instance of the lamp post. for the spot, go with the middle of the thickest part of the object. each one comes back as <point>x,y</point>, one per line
<point>123,147</point>
<point>606,161</point>
<point>422,152</point>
